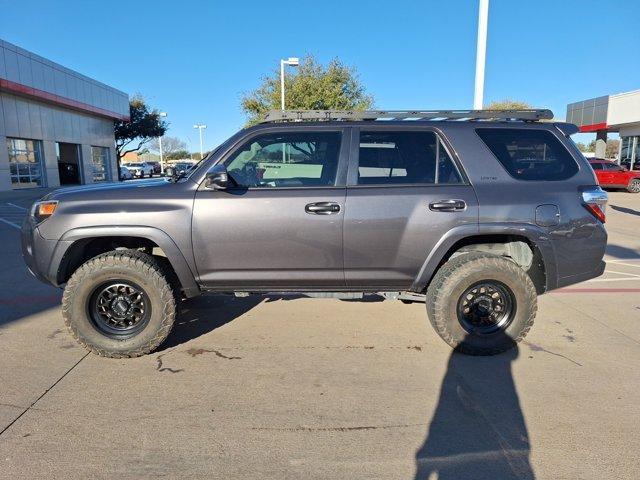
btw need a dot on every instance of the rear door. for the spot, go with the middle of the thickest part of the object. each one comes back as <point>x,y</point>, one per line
<point>405,191</point>
<point>280,226</point>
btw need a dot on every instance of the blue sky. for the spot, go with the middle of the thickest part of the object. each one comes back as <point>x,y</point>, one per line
<point>194,59</point>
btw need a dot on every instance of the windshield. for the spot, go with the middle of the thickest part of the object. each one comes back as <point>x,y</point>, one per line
<point>132,164</point>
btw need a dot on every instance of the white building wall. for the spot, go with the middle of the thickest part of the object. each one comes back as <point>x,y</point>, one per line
<point>624,109</point>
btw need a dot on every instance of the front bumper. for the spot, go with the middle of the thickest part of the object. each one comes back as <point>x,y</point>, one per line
<point>39,253</point>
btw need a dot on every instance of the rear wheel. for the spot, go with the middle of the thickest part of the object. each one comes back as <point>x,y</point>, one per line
<point>119,304</point>
<point>634,186</point>
<point>481,304</point>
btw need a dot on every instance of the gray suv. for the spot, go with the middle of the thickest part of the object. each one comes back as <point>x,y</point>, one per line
<point>474,213</point>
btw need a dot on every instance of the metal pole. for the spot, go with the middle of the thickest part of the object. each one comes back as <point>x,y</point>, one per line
<point>161,158</point>
<point>481,53</point>
<point>282,84</point>
<point>201,149</point>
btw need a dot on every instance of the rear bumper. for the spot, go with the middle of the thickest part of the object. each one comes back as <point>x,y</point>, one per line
<point>566,281</point>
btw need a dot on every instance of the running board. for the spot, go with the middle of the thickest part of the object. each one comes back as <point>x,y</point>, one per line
<point>404,296</point>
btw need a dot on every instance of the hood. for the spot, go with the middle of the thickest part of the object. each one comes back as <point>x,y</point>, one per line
<point>106,188</point>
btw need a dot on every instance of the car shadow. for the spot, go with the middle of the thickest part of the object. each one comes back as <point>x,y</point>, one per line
<point>630,211</point>
<point>478,430</point>
<point>201,315</point>
<point>623,253</point>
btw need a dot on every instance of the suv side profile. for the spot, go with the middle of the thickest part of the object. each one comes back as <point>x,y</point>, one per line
<point>475,213</point>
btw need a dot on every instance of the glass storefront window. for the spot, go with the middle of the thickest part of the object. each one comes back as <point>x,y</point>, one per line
<point>100,158</point>
<point>25,163</point>
<point>626,148</point>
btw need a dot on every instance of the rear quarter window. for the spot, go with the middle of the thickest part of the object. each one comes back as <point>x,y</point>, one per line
<point>528,154</point>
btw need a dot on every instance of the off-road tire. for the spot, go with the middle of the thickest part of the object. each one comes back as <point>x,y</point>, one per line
<point>131,265</point>
<point>461,272</point>
<point>634,186</point>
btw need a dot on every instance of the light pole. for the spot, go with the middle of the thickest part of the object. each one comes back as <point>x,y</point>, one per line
<point>200,127</point>
<point>481,54</point>
<point>162,114</point>
<point>292,62</point>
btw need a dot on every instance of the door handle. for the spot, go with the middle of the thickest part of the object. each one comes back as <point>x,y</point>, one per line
<point>448,206</point>
<point>322,208</point>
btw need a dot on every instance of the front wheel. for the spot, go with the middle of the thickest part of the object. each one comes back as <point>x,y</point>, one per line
<point>481,304</point>
<point>634,186</point>
<point>119,304</point>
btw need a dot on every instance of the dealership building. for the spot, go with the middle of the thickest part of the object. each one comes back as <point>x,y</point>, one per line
<point>56,125</point>
<point>612,113</point>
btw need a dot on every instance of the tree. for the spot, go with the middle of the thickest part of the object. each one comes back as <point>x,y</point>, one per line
<point>170,145</point>
<point>582,147</point>
<point>178,155</point>
<point>508,104</point>
<point>144,125</point>
<point>613,147</point>
<point>312,87</point>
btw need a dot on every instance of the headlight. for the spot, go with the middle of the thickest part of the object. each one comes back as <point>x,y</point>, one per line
<point>43,210</point>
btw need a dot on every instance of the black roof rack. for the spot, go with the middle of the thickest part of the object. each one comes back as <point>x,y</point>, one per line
<point>529,115</point>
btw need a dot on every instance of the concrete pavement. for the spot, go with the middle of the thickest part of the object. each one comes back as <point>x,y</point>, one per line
<point>314,388</point>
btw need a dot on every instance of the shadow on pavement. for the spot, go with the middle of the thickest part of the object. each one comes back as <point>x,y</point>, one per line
<point>621,252</point>
<point>201,315</point>
<point>630,211</point>
<point>478,430</point>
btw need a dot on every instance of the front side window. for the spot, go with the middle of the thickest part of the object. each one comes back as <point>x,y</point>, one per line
<point>100,160</point>
<point>297,159</point>
<point>612,167</point>
<point>25,163</point>
<point>401,158</point>
<point>529,154</point>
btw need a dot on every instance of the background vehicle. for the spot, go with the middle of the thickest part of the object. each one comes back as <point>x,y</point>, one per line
<point>475,218</point>
<point>140,169</point>
<point>182,168</point>
<point>612,175</point>
<point>157,168</point>
<point>125,173</point>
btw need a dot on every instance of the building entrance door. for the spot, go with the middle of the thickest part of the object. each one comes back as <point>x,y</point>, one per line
<point>69,163</point>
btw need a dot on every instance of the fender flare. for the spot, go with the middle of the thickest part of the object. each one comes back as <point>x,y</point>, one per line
<point>533,233</point>
<point>165,242</point>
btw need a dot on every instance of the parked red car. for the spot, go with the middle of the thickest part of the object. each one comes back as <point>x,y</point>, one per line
<point>612,175</point>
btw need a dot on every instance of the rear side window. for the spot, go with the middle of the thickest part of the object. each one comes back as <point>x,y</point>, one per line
<point>596,166</point>
<point>400,158</point>
<point>529,154</point>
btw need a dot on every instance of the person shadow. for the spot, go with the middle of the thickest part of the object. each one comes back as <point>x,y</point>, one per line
<point>478,430</point>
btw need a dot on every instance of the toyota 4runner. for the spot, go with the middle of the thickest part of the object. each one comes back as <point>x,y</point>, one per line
<point>474,213</point>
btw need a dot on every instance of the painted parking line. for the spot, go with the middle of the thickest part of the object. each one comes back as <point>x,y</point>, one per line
<point>9,223</point>
<point>12,215</point>
<point>17,206</point>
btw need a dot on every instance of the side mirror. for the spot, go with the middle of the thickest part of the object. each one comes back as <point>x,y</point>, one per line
<point>217,178</point>
<point>170,172</point>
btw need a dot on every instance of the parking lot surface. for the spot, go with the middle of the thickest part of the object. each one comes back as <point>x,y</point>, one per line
<point>270,387</point>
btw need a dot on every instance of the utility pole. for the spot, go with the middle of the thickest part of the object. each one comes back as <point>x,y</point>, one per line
<point>200,127</point>
<point>162,114</point>
<point>481,54</point>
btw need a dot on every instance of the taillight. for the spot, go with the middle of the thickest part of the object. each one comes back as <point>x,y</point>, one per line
<point>594,200</point>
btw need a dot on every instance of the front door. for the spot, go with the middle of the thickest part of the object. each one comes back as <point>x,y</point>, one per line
<point>280,225</point>
<point>405,192</point>
<point>69,163</point>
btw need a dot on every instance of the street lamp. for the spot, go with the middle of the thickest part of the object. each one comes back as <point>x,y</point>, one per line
<point>481,53</point>
<point>200,126</point>
<point>162,114</point>
<point>292,62</point>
